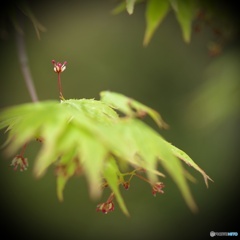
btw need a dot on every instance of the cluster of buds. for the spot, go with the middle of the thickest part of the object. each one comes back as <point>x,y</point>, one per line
<point>20,161</point>
<point>108,206</point>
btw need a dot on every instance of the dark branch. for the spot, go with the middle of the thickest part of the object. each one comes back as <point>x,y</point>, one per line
<point>23,59</point>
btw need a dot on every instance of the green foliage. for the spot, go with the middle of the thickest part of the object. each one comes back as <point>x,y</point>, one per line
<point>156,11</point>
<point>89,137</point>
<point>130,5</point>
<point>185,12</point>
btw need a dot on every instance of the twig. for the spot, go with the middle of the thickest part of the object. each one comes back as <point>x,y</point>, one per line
<point>23,59</point>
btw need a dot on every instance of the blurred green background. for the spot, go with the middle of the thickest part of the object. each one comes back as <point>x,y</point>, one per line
<point>196,94</point>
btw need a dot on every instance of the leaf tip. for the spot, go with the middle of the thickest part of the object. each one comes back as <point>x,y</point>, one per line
<point>95,192</point>
<point>187,38</point>
<point>130,6</point>
<point>38,173</point>
<point>127,214</point>
<point>147,38</point>
<point>194,208</point>
<point>60,196</point>
<point>145,42</point>
<point>130,10</point>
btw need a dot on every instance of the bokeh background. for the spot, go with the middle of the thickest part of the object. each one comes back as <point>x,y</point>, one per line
<point>197,95</point>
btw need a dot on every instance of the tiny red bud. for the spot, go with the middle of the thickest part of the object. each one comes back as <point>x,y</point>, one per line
<point>126,185</point>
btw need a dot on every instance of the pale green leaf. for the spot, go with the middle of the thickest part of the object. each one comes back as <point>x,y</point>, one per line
<point>152,147</point>
<point>111,173</point>
<point>125,5</point>
<point>131,107</point>
<point>184,157</point>
<point>88,108</point>
<point>185,11</point>
<point>65,169</point>
<point>119,8</point>
<point>141,146</point>
<point>155,13</point>
<point>92,156</point>
<point>25,124</point>
<point>61,182</point>
<point>90,135</point>
<point>49,152</point>
<point>176,171</point>
<point>130,6</point>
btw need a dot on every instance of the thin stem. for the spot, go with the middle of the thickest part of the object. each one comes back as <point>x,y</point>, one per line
<point>131,177</point>
<point>60,87</point>
<point>23,149</point>
<point>23,59</point>
<point>110,198</point>
<point>143,178</point>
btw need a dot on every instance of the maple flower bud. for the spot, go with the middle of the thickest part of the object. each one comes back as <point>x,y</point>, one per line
<point>59,67</point>
<point>21,162</point>
<point>157,188</point>
<point>126,185</point>
<point>105,207</point>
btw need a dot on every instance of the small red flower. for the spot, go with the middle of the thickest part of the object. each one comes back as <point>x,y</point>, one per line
<point>59,67</point>
<point>21,162</point>
<point>126,185</point>
<point>105,207</point>
<point>157,188</point>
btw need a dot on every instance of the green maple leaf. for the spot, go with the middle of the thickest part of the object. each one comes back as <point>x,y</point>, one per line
<point>155,13</point>
<point>185,12</point>
<point>90,137</point>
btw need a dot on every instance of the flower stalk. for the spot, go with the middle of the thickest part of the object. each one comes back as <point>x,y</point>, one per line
<point>59,68</point>
<point>20,160</point>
